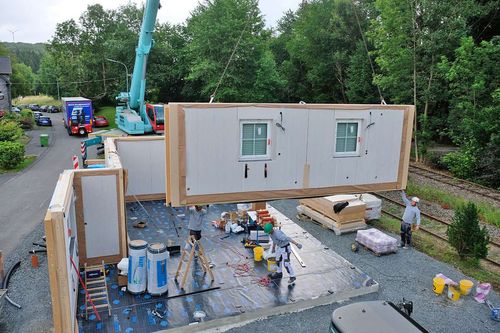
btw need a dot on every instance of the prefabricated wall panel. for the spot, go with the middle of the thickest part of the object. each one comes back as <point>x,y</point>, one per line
<point>311,150</point>
<point>62,247</point>
<point>100,215</point>
<point>143,158</point>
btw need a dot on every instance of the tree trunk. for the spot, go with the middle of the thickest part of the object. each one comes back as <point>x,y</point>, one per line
<point>415,79</point>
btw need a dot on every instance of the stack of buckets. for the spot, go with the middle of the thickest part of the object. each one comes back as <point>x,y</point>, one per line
<point>258,255</point>
<point>464,288</point>
<point>147,268</point>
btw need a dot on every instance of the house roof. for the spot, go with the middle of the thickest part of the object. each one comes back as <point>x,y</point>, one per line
<point>5,66</point>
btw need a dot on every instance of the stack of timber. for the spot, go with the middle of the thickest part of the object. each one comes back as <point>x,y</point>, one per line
<point>321,210</point>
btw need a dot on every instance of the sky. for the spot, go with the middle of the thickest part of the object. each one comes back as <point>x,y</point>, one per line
<point>34,21</point>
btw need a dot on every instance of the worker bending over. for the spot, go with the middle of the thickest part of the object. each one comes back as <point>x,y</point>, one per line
<point>196,216</point>
<point>411,214</point>
<point>282,247</point>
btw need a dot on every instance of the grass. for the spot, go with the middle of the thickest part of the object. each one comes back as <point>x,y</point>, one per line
<point>487,212</point>
<point>24,164</point>
<point>442,251</point>
<point>109,113</point>
<point>40,100</point>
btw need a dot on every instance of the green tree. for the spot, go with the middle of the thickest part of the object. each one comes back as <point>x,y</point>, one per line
<point>22,80</point>
<point>474,117</point>
<point>213,31</point>
<point>465,234</point>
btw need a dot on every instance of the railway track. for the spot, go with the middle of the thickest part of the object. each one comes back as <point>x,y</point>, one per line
<point>457,182</point>
<point>433,233</point>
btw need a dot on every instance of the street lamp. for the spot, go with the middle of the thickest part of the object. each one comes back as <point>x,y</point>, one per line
<point>126,71</point>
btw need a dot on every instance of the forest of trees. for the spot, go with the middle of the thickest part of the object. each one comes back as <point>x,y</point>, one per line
<point>442,56</point>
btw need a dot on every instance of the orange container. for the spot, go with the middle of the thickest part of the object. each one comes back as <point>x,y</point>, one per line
<point>34,261</point>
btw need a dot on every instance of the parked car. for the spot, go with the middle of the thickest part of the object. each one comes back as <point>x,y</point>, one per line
<point>34,107</point>
<point>44,108</point>
<point>44,121</point>
<point>100,121</point>
<point>15,109</point>
<point>37,115</point>
<point>52,109</point>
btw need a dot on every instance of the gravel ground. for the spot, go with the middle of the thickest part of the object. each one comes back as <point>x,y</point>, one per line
<point>29,287</point>
<point>406,274</point>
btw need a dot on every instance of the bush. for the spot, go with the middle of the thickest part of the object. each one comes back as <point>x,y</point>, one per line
<point>465,235</point>
<point>11,154</point>
<point>462,163</point>
<point>10,131</point>
<point>26,119</point>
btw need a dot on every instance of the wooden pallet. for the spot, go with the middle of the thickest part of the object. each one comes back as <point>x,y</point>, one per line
<point>325,221</point>
<point>378,254</point>
<point>97,289</point>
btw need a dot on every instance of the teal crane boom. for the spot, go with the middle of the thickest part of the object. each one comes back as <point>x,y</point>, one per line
<point>131,115</point>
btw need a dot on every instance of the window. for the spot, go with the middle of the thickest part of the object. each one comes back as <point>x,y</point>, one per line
<point>346,140</point>
<point>254,140</point>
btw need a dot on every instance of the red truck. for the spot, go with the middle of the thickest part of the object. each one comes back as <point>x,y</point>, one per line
<point>78,115</point>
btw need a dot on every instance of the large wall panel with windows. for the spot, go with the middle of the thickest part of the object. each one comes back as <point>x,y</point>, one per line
<point>249,152</point>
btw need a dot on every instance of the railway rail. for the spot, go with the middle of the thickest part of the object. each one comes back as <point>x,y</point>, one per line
<point>430,232</point>
<point>457,182</point>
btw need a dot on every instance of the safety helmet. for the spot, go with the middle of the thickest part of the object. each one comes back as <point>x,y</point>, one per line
<point>268,227</point>
<point>415,199</point>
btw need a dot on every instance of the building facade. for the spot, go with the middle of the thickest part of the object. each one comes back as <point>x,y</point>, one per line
<point>5,92</point>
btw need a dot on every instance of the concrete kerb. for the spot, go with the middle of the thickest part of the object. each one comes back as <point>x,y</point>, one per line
<point>227,323</point>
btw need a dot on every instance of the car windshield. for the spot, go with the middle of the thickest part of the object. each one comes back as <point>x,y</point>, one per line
<point>159,114</point>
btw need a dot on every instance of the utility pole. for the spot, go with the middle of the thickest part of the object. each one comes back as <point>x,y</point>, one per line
<point>58,93</point>
<point>13,34</point>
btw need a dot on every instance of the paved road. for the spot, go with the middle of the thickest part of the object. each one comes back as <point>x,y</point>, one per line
<point>24,196</point>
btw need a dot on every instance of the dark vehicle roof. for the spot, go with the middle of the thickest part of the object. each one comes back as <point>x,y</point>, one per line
<point>44,117</point>
<point>373,317</point>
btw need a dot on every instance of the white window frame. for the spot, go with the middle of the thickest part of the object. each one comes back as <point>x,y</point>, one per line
<point>267,156</point>
<point>358,137</point>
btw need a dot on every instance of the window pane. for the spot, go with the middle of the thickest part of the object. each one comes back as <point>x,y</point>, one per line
<point>248,130</point>
<point>261,131</point>
<point>340,145</point>
<point>341,130</point>
<point>350,145</point>
<point>261,147</point>
<point>247,147</point>
<point>352,130</point>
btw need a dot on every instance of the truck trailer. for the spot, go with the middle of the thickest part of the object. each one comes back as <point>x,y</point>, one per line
<point>78,115</point>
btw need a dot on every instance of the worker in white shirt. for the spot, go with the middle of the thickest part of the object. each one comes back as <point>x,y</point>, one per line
<point>411,215</point>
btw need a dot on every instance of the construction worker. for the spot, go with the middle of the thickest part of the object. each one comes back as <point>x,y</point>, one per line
<point>282,248</point>
<point>411,214</point>
<point>196,215</point>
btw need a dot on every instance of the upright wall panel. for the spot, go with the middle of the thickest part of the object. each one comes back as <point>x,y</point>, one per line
<point>144,160</point>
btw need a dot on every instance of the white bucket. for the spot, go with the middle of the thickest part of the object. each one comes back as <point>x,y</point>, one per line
<point>157,269</point>
<point>137,266</point>
<point>373,206</point>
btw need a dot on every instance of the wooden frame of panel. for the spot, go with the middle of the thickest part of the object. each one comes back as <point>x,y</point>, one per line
<point>175,146</point>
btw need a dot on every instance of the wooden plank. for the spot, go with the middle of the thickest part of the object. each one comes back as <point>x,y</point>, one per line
<point>329,223</point>
<point>353,212</point>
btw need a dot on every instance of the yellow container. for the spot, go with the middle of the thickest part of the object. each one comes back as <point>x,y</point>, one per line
<point>466,286</point>
<point>271,265</point>
<point>438,284</point>
<point>453,293</point>
<point>258,252</point>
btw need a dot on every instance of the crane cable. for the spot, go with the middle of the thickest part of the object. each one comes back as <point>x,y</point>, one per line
<point>382,101</point>
<point>212,97</point>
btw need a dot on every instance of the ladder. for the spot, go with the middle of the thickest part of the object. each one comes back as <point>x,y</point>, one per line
<point>201,256</point>
<point>97,289</point>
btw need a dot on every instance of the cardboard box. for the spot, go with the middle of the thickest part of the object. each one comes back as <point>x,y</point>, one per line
<point>259,205</point>
<point>122,280</point>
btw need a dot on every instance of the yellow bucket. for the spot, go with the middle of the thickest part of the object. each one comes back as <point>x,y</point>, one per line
<point>466,286</point>
<point>438,285</point>
<point>453,293</point>
<point>258,252</point>
<point>271,265</point>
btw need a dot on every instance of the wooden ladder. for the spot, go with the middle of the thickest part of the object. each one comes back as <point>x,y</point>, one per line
<point>97,289</point>
<point>201,256</point>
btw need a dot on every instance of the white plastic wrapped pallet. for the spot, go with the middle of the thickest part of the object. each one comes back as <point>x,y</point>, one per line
<point>373,206</point>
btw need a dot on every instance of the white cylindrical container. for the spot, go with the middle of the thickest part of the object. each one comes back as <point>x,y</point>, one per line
<point>157,269</point>
<point>137,266</point>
